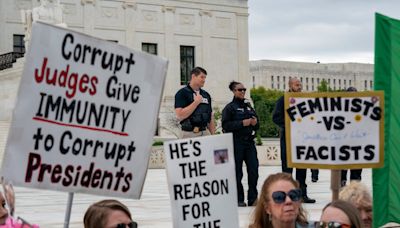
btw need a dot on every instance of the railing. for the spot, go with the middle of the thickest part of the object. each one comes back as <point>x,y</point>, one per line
<point>7,60</point>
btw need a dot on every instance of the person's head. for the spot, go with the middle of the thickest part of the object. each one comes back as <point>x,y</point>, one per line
<point>294,85</point>
<point>342,214</point>
<point>3,210</point>
<point>198,77</point>
<point>357,194</point>
<point>237,89</point>
<point>108,214</point>
<point>351,89</point>
<point>279,203</point>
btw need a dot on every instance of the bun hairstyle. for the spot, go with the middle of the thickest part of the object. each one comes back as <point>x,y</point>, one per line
<point>351,89</point>
<point>233,85</point>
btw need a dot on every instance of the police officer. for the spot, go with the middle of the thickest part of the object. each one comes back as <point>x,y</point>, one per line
<point>278,118</point>
<point>240,118</point>
<point>355,174</point>
<point>193,106</point>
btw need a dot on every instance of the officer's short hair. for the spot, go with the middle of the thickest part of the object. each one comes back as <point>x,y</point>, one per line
<point>197,71</point>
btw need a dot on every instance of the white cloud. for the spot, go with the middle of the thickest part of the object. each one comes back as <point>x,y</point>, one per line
<point>308,30</point>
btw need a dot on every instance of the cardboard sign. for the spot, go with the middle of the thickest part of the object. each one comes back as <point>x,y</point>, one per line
<point>85,115</point>
<point>202,181</point>
<point>334,130</point>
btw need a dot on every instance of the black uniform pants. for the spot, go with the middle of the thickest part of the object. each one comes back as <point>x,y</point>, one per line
<point>300,173</point>
<point>246,151</point>
<point>355,174</point>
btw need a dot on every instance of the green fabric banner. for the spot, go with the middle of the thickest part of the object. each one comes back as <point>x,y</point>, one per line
<point>386,181</point>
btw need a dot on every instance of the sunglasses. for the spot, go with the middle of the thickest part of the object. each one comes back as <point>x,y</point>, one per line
<point>241,90</point>
<point>333,225</point>
<point>280,196</point>
<point>129,225</point>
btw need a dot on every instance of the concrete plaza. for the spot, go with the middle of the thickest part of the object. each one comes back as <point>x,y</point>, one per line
<point>47,208</point>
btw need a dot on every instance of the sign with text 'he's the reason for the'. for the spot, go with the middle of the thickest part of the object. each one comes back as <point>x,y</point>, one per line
<point>337,130</point>
<point>85,115</point>
<point>202,182</point>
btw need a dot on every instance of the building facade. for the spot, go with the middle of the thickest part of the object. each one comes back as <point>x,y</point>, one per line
<point>208,33</point>
<point>273,74</point>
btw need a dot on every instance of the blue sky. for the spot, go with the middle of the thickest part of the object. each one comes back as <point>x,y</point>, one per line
<point>329,31</point>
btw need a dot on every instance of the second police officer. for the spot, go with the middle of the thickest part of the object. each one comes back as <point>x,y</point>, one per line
<point>240,118</point>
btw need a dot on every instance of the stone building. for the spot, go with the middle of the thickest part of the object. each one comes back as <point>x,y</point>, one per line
<point>208,33</point>
<point>274,74</point>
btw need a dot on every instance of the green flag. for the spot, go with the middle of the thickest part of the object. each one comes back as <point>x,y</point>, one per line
<point>386,181</point>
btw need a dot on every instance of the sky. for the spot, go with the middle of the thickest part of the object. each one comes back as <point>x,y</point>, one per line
<point>328,31</point>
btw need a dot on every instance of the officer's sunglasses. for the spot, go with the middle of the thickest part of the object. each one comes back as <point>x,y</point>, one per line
<point>129,225</point>
<point>280,196</point>
<point>241,90</point>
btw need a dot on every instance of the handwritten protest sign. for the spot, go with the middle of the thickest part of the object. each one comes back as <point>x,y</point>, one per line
<point>202,182</point>
<point>334,130</point>
<point>85,115</point>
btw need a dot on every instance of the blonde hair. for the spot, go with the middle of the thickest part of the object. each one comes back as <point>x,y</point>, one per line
<point>357,194</point>
<point>260,217</point>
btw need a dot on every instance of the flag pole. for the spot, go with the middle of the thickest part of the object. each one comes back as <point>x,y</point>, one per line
<point>68,211</point>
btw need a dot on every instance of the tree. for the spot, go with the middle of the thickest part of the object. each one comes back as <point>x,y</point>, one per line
<point>324,87</point>
<point>264,103</point>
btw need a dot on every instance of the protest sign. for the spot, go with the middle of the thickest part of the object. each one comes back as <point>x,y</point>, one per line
<point>85,115</point>
<point>202,182</point>
<point>337,130</point>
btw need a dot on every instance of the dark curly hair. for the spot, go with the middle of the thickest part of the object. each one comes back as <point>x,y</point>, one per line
<point>233,85</point>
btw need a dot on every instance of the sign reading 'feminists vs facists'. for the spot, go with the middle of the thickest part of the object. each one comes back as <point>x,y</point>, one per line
<point>334,130</point>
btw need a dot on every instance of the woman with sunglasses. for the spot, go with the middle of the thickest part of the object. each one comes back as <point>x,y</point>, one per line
<point>279,205</point>
<point>108,214</point>
<point>340,214</point>
<point>241,119</point>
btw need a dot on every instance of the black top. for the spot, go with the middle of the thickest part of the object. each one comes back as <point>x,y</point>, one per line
<point>232,119</point>
<point>201,116</point>
<point>279,113</point>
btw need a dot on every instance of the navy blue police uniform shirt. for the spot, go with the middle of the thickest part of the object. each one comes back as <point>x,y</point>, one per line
<point>184,97</point>
<point>232,119</point>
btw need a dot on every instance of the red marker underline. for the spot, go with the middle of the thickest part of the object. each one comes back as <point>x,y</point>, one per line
<point>79,126</point>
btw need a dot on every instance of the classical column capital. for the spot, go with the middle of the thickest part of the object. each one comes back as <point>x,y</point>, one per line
<point>168,8</point>
<point>205,13</point>
<point>129,4</point>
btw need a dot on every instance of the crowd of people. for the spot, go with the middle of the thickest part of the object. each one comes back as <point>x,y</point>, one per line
<point>279,206</point>
<point>279,203</point>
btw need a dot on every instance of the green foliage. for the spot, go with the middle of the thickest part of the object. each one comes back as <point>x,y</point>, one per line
<point>217,120</point>
<point>158,143</point>
<point>324,87</point>
<point>258,140</point>
<point>217,114</point>
<point>264,104</point>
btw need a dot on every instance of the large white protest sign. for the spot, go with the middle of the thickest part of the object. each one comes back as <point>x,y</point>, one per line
<point>202,182</point>
<point>85,115</point>
<point>334,130</point>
